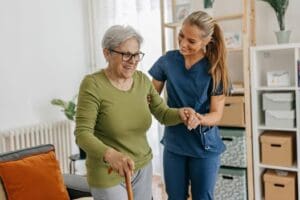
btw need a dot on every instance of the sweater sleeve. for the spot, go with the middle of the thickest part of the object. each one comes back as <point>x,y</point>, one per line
<point>86,115</point>
<point>160,110</point>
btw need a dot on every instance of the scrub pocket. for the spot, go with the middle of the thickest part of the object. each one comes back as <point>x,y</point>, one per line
<point>211,140</point>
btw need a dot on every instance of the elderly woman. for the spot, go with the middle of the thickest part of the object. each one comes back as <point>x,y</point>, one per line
<point>113,115</point>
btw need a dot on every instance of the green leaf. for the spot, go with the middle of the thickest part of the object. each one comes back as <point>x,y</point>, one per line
<point>59,102</point>
<point>280,7</point>
<point>69,107</point>
<point>208,3</point>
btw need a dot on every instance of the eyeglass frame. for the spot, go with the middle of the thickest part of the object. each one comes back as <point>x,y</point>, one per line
<point>141,55</point>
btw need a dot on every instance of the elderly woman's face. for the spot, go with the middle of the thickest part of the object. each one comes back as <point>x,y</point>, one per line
<point>121,65</point>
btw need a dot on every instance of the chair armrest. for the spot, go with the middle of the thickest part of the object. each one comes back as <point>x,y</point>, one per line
<point>77,186</point>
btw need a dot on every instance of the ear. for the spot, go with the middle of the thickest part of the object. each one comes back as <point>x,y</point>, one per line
<point>106,54</point>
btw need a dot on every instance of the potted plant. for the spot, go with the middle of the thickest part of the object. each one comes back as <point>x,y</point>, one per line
<point>208,6</point>
<point>208,3</point>
<point>280,7</point>
<point>69,109</point>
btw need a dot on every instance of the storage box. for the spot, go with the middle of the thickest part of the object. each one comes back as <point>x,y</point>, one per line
<point>278,78</point>
<point>280,119</point>
<point>233,114</point>
<point>280,187</point>
<point>278,101</point>
<point>231,184</point>
<point>278,148</point>
<point>235,141</point>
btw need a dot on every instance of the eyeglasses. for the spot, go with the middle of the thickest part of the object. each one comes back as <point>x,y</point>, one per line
<point>128,56</point>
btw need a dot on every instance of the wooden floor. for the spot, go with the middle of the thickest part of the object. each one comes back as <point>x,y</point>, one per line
<point>158,189</point>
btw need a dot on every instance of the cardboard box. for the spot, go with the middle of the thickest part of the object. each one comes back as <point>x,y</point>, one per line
<point>278,148</point>
<point>233,114</point>
<point>280,186</point>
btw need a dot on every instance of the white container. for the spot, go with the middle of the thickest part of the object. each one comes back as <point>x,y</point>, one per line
<point>235,142</point>
<point>278,101</point>
<point>279,78</point>
<point>280,119</point>
<point>231,184</point>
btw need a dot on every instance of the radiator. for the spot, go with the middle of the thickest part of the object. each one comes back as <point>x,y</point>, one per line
<point>60,134</point>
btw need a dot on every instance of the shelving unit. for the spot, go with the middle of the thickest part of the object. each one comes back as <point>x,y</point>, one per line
<point>240,72</point>
<point>263,60</point>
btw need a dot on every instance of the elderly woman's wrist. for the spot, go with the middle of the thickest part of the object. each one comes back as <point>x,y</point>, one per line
<point>108,154</point>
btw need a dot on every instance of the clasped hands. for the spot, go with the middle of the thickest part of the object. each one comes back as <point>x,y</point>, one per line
<point>190,117</point>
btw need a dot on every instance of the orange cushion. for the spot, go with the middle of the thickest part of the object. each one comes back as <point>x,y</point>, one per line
<point>34,177</point>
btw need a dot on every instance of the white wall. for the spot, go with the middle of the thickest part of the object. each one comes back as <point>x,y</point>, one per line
<point>43,54</point>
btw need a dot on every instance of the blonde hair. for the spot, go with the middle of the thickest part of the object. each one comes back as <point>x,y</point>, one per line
<point>215,49</point>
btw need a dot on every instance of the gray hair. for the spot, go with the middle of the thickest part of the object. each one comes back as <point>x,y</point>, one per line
<point>117,34</point>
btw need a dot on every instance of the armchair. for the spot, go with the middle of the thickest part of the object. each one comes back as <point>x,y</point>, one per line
<point>34,173</point>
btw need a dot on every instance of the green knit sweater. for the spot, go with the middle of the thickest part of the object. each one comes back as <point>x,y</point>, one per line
<point>108,117</point>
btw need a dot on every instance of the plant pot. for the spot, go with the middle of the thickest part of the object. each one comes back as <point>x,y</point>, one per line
<point>283,36</point>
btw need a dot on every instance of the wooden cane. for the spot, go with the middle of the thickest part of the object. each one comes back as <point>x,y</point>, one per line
<point>127,184</point>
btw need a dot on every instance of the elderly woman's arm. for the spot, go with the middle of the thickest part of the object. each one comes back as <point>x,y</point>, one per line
<point>86,115</point>
<point>170,116</point>
<point>164,114</point>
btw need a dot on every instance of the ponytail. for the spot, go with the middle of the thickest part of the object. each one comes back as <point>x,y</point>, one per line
<point>217,55</point>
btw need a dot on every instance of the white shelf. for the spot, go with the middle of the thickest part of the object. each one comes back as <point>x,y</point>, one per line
<point>264,59</point>
<point>294,168</point>
<point>266,88</point>
<point>276,129</point>
<point>276,47</point>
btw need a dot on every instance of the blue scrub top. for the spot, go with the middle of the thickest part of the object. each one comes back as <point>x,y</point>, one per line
<point>188,88</point>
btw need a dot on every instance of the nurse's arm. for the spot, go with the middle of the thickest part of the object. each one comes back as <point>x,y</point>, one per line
<point>158,85</point>
<point>215,113</point>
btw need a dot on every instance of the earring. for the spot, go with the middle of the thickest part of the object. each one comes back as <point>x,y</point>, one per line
<point>204,49</point>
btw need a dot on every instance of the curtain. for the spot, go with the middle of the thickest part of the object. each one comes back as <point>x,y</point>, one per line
<point>144,16</point>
